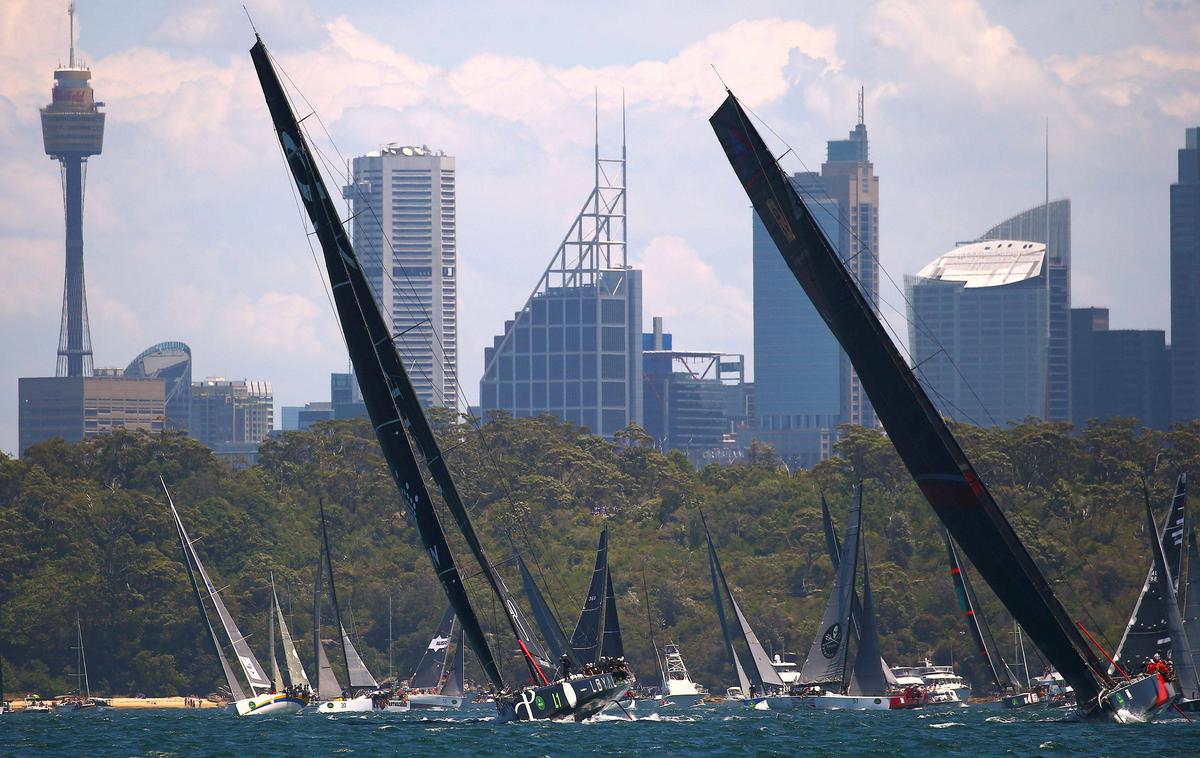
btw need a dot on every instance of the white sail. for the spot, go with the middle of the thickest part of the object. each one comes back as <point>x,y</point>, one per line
<point>276,677</point>
<point>327,682</point>
<point>355,668</point>
<point>295,668</point>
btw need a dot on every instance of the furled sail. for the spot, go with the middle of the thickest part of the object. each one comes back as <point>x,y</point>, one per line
<point>295,668</point>
<point>235,688</point>
<point>356,670</point>
<point>612,646</point>
<point>1147,633</point>
<point>433,661</point>
<point>586,639</point>
<point>381,375</point>
<point>916,429</point>
<point>455,683</point>
<point>867,677</point>
<point>981,633</point>
<point>1185,669</point>
<point>826,661</point>
<point>556,639</point>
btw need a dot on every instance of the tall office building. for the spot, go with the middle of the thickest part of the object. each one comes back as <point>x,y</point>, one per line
<point>171,362</point>
<point>224,411</point>
<point>1117,372</point>
<point>574,349</point>
<point>1185,282</point>
<point>76,408</point>
<point>978,330</point>
<point>403,204</point>
<point>73,131</point>
<point>1050,224</point>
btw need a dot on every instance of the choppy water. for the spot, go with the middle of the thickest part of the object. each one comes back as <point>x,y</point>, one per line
<point>724,731</point>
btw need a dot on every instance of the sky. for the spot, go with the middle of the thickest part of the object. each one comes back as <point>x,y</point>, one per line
<point>191,232</point>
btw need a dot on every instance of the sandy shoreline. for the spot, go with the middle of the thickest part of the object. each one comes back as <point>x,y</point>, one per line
<point>141,702</point>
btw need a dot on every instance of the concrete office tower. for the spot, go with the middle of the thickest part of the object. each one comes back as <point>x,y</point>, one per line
<point>1185,282</point>
<point>403,203</point>
<point>1050,224</point>
<point>574,349</point>
<point>978,328</point>
<point>226,411</point>
<point>1117,372</point>
<point>73,130</point>
<point>78,408</point>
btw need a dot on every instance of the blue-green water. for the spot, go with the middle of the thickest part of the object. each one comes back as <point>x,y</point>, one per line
<point>724,731</point>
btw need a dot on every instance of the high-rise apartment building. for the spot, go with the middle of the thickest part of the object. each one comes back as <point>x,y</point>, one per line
<point>574,349</point>
<point>224,411</point>
<point>978,331</point>
<point>1185,282</point>
<point>403,203</point>
<point>1050,224</point>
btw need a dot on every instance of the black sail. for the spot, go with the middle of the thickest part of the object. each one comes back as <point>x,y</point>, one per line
<point>1191,593</point>
<point>612,646</point>
<point>1147,632</point>
<point>867,678</point>
<point>826,661</point>
<point>455,684</point>
<point>556,640</point>
<point>981,633</point>
<point>587,637</point>
<point>920,436</point>
<point>381,374</point>
<point>1185,670</point>
<point>432,665</point>
<point>714,571</point>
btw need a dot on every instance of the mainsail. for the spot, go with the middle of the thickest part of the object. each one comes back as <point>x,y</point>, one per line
<point>556,638</point>
<point>276,677</point>
<point>189,555</point>
<point>382,378</point>
<point>295,668</point>
<point>916,429</point>
<point>981,633</point>
<point>586,639</point>
<point>1191,584</point>
<point>713,570</point>
<point>867,677</point>
<point>432,665</point>
<point>1147,633</point>
<point>1185,669</point>
<point>826,662</point>
<point>455,683</point>
<point>612,645</point>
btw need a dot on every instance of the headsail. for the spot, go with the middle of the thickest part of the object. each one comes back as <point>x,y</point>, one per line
<point>1185,669</point>
<point>556,639</point>
<point>433,661</point>
<point>295,668</point>
<point>916,429</point>
<point>586,639</point>
<point>276,677</point>
<point>714,571</point>
<point>981,633</point>
<point>356,670</point>
<point>455,683</point>
<point>1147,633</point>
<point>328,686</point>
<point>612,645</point>
<point>867,677</point>
<point>381,375</point>
<point>826,661</point>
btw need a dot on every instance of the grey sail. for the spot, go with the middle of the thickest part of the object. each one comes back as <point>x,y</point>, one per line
<point>189,558</point>
<point>295,668</point>
<point>762,662</point>
<point>328,687</point>
<point>360,677</point>
<point>714,571</point>
<point>826,661</point>
<point>433,662</point>
<point>612,646</point>
<point>1185,669</point>
<point>455,684</point>
<point>276,677</point>
<point>1191,594</point>
<point>868,677</point>
<point>556,640</point>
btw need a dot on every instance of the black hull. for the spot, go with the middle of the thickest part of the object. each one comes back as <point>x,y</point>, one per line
<point>1140,700</point>
<point>574,699</point>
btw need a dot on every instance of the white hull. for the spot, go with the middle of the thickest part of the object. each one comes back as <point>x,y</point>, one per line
<point>830,702</point>
<point>424,702</point>
<point>269,704</point>
<point>361,704</point>
<point>683,701</point>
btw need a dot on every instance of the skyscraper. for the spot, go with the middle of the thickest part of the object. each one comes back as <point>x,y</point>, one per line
<point>226,411</point>
<point>403,204</point>
<point>574,349</point>
<point>1117,372</point>
<point>1185,282</point>
<point>171,362</point>
<point>978,329</point>
<point>73,130</point>
<point>1050,224</point>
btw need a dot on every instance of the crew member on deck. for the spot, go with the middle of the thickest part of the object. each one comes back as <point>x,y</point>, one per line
<point>565,660</point>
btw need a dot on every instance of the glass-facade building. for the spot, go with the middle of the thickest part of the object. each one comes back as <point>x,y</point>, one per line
<point>1117,372</point>
<point>171,362</point>
<point>404,202</point>
<point>979,331</point>
<point>1185,282</point>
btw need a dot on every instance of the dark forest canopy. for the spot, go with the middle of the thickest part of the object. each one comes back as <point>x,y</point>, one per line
<point>84,528</point>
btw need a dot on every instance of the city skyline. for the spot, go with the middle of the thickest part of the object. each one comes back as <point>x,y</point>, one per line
<point>189,204</point>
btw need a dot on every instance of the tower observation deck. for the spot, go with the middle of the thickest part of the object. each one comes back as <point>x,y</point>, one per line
<point>73,130</point>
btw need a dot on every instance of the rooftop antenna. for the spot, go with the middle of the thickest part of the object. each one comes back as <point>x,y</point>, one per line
<point>71,17</point>
<point>861,100</point>
<point>1047,190</point>
<point>596,116</point>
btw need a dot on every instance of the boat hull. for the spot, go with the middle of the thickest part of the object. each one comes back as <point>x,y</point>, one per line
<point>684,701</point>
<point>573,699</point>
<point>1139,700</point>
<point>831,702</point>
<point>425,702</point>
<point>1021,700</point>
<point>268,704</point>
<point>361,704</point>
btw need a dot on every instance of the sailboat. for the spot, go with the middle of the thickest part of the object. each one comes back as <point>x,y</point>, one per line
<point>82,699</point>
<point>396,413</point>
<point>264,698</point>
<point>764,679</point>
<point>296,676</point>
<point>431,686</point>
<point>363,694</point>
<point>923,441</point>
<point>829,678</point>
<point>1190,581</point>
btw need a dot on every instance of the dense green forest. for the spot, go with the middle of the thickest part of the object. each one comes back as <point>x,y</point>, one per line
<point>85,529</point>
